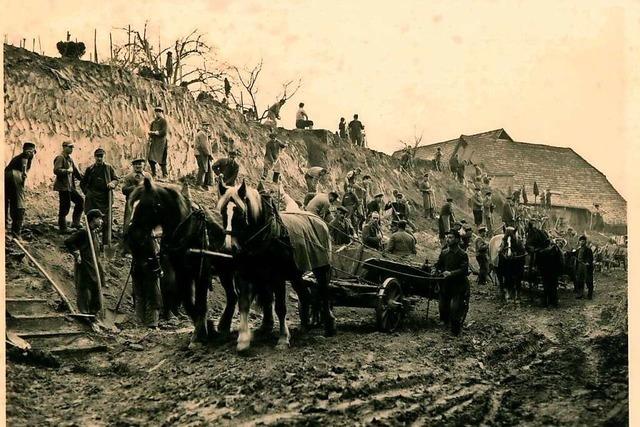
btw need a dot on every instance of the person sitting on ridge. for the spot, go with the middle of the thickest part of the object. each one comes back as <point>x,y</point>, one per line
<point>302,120</point>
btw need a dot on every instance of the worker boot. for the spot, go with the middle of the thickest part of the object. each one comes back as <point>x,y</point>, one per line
<point>62,225</point>
<point>16,226</point>
<point>164,171</point>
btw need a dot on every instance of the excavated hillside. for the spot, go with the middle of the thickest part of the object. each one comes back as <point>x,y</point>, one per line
<point>512,363</point>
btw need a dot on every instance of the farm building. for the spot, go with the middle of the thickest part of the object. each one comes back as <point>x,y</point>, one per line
<point>576,185</point>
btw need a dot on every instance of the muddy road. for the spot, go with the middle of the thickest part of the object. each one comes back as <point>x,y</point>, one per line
<point>511,365</point>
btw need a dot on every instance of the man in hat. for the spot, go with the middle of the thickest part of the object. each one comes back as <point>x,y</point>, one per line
<point>482,255</point>
<point>129,183</point>
<point>453,263</point>
<point>98,182</point>
<point>158,142</point>
<point>376,205</point>
<point>427,196</point>
<point>402,243</point>
<point>340,228</point>
<point>355,131</point>
<point>438,159</point>
<point>509,213</point>
<point>271,154</point>
<point>204,156</point>
<point>372,233</point>
<point>466,234</point>
<point>88,289</point>
<point>477,206</point>
<point>487,212</point>
<point>400,210</point>
<point>15,175</point>
<point>227,168</point>
<point>584,269</point>
<point>302,120</point>
<point>321,204</point>
<point>312,176</point>
<point>67,174</point>
<point>447,218</point>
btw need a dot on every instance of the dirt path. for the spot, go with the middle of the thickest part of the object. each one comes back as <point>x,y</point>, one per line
<point>511,365</point>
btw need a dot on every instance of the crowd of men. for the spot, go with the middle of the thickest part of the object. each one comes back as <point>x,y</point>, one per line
<point>353,212</point>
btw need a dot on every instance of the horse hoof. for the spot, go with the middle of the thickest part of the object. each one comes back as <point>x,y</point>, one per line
<point>283,344</point>
<point>243,346</point>
<point>194,345</point>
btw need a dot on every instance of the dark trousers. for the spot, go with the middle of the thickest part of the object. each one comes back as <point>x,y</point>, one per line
<point>163,165</point>
<point>452,303</point>
<point>204,177</point>
<point>477,217</point>
<point>483,264</point>
<point>12,206</point>
<point>148,297</point>
<point>303,124</point>
<point>584,275</point>
<point>66,198</point>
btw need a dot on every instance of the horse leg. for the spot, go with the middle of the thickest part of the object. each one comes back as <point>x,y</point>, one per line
<point>265,299</point>
<point>224,325</point>
<point>304,298</point>
<point>280,290</point>
<point>202,290</point>
<point>245,296</point>
<point>323,276</point>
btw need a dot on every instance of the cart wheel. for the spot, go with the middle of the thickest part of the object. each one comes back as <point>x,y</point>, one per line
<point>390,308</point>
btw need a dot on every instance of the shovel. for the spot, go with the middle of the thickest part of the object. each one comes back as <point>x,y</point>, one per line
<point>113,317</point>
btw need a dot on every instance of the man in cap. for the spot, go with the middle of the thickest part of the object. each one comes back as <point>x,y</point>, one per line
<point>427,196</point>
<point>321,204</point>
<point>376,205</point>
<point>204,156</point>
<point>584,269</point>
<point>227,168</point>
<point>340,228</point>
<point>438,159</point>
<point>158,142</point>
<point>477,206</point>
<point>402,243</point>
<point>372,233</point>
<point>453,263</point>
<point>355,131</point>
<point>271,154</point>
<point>482,255</point>
<point>98,182</point>
<point>447,218</point>
<point>400,210</point>
<point>129,183</point>
<point>466,234</point>
<point>15,175</point>
<point>88,288</point>
<point>487,212</point>
<point>351,201</point>
<point>312,176</point>
<point>509,213</point>
<point>302,120</point>
<point>67,174</point>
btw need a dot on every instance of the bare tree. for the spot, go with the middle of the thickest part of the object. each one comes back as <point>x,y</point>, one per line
<point>411,148</point>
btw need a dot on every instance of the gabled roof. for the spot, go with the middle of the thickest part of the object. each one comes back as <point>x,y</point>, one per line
<point>447,147</point>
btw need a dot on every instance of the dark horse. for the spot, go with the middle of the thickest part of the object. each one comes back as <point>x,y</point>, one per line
<point>270,248</point>
<point>184,228</point>
<point>546,261</point>
<point>507,255</point>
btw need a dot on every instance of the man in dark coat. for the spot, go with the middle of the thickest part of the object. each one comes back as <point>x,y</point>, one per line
<point>67,174</point>
<point>482,255</point>
<point>372,233</point>
<point>228,168</point>
<point>453,165</point>
<point>401,242</point>
<point>88,288</point>
<point>129,183</point>
<point>376,205</point>
<point>340,228</point>
<point>342,128</point>
<point>355,131</point>
<point>427,196</point>
<point>352,203</point>
<point>158,142</point>
<point>15,175</point>
<point>584,269</point>
<point>447,218</point>
<point>487,212</point>
<point>509,213</point>
<point>400,210</point>
<point>98,182</point>
<point>453,262</point>
<point>477,205</point>
<point>438,159</point>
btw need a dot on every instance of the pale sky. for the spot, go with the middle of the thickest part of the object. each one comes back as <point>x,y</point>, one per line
<point>551,72</point>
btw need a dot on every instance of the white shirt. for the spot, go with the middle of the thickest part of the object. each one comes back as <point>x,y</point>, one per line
<point>301,114</point>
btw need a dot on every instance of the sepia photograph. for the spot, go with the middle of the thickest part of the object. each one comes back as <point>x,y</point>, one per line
<point>350,213</point>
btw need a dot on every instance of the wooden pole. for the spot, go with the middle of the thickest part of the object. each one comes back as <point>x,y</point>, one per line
<point>68,35</point>
<point>129,42</point>
<point>95,45</point>
<point>94,258</point>
<point>46,275</point>
<point>40,46</point>
<point>111,46</point>
<point>33,45</point>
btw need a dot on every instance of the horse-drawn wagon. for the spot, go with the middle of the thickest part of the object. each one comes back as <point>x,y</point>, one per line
<point>392,288</point>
